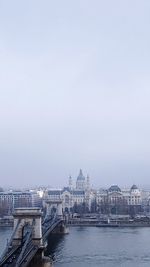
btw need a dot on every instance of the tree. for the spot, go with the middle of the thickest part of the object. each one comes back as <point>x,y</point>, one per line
<point>94,206</point>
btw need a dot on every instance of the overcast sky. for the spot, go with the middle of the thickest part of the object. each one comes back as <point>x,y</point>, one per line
<point>74,92</point>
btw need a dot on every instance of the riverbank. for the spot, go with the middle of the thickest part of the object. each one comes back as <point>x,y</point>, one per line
<point>110,223</point>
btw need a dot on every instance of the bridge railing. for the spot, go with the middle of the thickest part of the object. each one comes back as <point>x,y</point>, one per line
<point>28,256</point>
<point>28,238</point>
<point>49,226</point>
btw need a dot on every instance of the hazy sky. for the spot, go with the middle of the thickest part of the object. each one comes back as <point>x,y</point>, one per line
<point>74,91</point>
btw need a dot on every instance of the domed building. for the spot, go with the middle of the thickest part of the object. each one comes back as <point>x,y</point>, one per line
<point>114,188</point>
<point>80,183</point>
<point>71,196</point>
<point>115,195</point>
<point>123,201</point>
<point>135,196</point>
<point>134,189</point>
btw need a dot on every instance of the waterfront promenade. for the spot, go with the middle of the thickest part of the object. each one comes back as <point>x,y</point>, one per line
<point>110,221</point>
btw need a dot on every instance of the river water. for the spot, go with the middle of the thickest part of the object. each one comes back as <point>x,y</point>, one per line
<point>93,246</point>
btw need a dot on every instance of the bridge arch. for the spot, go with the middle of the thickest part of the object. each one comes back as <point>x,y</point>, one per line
<point>54,205</point>
<point>25,219</point>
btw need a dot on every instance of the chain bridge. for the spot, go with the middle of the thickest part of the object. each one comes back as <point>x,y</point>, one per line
<point>30,233</point>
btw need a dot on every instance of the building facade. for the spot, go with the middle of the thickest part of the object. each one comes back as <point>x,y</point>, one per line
<point>74,199</point>
<point>12,199</point>
<point>79,197</point>
<point>82,198</point>
<point>114,200</point>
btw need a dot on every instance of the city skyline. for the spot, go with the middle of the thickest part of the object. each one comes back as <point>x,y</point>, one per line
<point>73,181</point>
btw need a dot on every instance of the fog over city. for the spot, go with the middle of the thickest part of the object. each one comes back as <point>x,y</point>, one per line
<point>74,92</point>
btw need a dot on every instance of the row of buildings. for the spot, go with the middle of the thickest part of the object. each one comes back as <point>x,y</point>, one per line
<point>80,198</point>
<point>9,200</point>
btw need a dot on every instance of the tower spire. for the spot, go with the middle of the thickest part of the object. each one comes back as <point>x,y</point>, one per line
<point>70,182</point>
<point>81,173</point>
<point>88,182</point>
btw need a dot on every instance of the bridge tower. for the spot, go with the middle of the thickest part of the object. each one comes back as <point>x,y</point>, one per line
<point>57,204</point>
<point>27,218</point>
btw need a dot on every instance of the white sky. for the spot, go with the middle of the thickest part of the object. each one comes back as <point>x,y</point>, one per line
<point>74,91</point>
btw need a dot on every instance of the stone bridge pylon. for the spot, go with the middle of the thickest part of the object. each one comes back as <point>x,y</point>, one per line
<point>54,206</point>
<point>25,219</point>
<point>30,235</point>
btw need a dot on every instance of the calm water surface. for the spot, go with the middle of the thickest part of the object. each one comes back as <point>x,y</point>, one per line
<point>92,246</point>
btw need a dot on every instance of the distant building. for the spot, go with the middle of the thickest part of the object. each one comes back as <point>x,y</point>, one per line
<point>77,198</point>
<point>80,183</point>
<point>82,198</point>
<point>115,200</point>
<point>11,200</point>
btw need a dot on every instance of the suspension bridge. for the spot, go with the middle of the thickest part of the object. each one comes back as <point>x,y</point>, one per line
<point>30,233</point>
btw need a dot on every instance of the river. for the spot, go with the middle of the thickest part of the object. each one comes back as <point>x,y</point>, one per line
<point>92,246</point>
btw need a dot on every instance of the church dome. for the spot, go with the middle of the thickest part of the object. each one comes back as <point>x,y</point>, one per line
<point>114,188</point>
<point>80,176</point>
